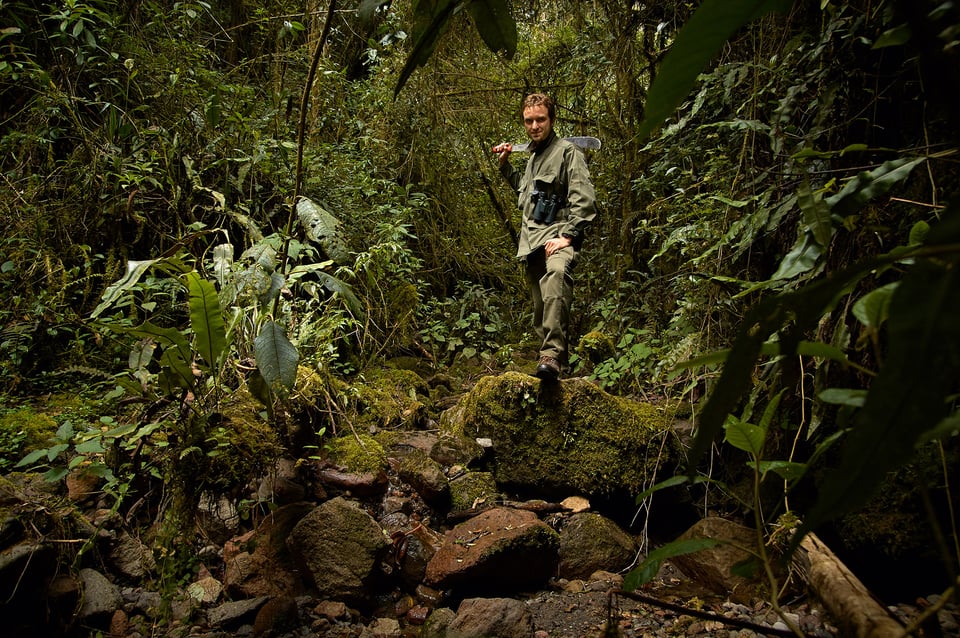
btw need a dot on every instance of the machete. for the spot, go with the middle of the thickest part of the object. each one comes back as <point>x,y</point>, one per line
<point>589,143</point>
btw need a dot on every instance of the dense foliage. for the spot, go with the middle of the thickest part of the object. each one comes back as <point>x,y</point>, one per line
<point>154,250</point>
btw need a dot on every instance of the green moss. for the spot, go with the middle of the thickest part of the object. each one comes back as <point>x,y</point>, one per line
<point>359,454</point>
<point>567,437</point>
<point>388,398</point>
<point>595,347</point>
<point>471,490</point>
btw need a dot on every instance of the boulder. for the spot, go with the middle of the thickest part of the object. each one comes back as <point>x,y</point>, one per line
<point>100,598</point>
<point>339,547</point>
<point>590,542</point>
<point>484,552</point>
<point>713,568</point>
<point>425,476</point>
<point>566,438</point>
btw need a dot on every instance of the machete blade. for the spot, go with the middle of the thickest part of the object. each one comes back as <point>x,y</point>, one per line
<point>587,143</point>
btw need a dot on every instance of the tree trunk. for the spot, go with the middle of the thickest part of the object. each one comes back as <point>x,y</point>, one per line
<point>854,608</point>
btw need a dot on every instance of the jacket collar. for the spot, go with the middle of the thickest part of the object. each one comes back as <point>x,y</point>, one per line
<point>539,148</point>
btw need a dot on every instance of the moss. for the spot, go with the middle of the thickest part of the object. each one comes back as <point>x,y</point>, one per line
<point>471,490</point>
<point>388,398</point>
<point>567,437</point>
<point>239,446</point>
<point>595,347</point>
<point>360,454</point>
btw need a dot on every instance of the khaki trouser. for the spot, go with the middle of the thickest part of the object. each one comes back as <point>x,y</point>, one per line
<point>551,287</point>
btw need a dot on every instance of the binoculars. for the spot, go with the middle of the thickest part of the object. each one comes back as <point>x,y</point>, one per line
<point>544,206</point>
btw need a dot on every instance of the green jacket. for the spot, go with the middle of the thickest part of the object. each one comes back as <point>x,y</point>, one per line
<point>557,167</point>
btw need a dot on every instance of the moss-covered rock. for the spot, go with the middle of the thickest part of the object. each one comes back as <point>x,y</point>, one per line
<point>471,490</point>
<point>389,398</point>
<point>571,437</point>
<point>359,454</point>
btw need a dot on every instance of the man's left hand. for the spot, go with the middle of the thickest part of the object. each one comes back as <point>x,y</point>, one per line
<point>555,244</point>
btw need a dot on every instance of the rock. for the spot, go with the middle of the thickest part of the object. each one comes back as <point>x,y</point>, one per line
<point>711,568</point>
<point>231,615</point>
<point>277,616</point>
<point>269,569</point>
<point>575,504</point>
<point>100,598</point>
<point>82,485</point>
<point>576,439</point>
<point>471,490</point>
<point>483,553</point>
<point>339,547</point>
<point>591,542</point>
<point>356,483</point>
<point>131,558</point>
<point>451,449</point>
<point>218,518</point>
<point>382,628</point>
<point>418,547</point>
<point>205,590</point>
<point>483,617</point>
<point>425,476</point>
<point>437,623</point>
<point>332,610</point>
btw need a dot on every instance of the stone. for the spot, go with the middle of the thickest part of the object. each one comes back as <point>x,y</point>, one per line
<point>591,542</point>
<point>267,570</point>
<point>712,568</point>
<point>574,439</point>
<point>471,490</point>
<point>232,614</point>
<point>425,476</point>
<point>483,617</point>
<point>100,597</point>
<point>482,553</point>
<point>131,558</point>
<point>277,616</point>
<point>338,546</point>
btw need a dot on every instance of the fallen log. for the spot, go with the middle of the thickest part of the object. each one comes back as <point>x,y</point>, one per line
<point>847,599</point>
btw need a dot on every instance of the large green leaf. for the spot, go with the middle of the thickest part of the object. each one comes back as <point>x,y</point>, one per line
<point>206,319</point>
<point>697,43</point>
<point>322,227</point>
<point>495,25</point>
<point>135,270</point>
<point>430,21</point>
<point>816,214</point>
<point>869,184</point>
<point>276,357</point>
<point>176,352</point>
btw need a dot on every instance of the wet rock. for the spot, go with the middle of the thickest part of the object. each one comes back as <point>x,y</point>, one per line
<point>339,546</point>
<point>437,623</point>
<point>501,617</point>
<point>382,628</point>
<point>485,551</point>
<point>217,516</point>
<point>591,542</point>
<point>356,483</point>
<point>277,616</point>
<point>205,590</point>
<point>425,476</point>
<point>451,449</point>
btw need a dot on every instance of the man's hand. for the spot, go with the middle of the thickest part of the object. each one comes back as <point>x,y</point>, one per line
<point>555,244</point>
<point>504,149</point>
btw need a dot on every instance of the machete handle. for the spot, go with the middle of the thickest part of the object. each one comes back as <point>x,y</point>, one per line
<point>499,148</point>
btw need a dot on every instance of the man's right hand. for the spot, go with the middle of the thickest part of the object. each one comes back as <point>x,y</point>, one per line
<point>504,149</point>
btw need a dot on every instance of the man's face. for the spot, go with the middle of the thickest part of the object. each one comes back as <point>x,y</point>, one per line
<point>537,122</point>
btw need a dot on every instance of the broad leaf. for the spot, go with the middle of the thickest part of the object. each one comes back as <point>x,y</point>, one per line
<point>697,43</point>
<point>176,356</point>
<point>816,214</point>
<point>744,436</point>
<point>869,184</point>
<point>135,270</point>
<point>802,257</point>
<point>206,319</point>
<point>495,25</point>
<point>322,227</point>
<point>873,308</point>
<point>430,21</point>
<point>276,357</point>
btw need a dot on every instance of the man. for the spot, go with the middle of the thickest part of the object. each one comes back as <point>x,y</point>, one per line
<point>558,203</point>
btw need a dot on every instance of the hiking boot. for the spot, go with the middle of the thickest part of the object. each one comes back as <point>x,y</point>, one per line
<point>548,369</point>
